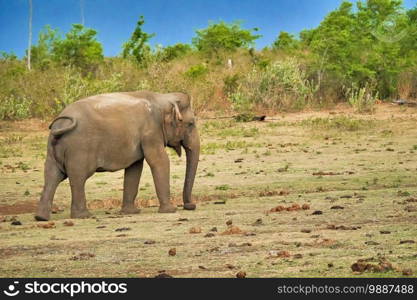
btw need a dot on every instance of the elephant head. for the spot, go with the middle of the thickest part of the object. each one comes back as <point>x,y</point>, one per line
<point>179,128</point>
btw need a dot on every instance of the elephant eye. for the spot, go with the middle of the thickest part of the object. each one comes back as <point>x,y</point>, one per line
<point>190,124</point>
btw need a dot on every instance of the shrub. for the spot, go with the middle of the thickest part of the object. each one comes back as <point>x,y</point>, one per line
<point>231,83</point>
<point>280,85</point>
<point>77,86</point>
<point>15,108</point>
<point>362,99</point>
<point>196,71</point>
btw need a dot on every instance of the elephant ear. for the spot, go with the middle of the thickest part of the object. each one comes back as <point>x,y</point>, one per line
<point>171,120</point>
<point>175,112</point>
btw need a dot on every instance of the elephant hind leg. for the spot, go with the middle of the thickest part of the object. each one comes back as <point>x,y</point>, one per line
<point>78,202</point>
<point>53,176</point>
<point>130,187</point>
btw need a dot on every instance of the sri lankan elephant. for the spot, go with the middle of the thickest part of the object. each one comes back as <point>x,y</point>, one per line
<point>110,132</point>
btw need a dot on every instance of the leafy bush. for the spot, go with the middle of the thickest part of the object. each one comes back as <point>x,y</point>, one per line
<point>196,71</point>
<point>231,83</point>
<point>172,52</point>
<point>15,108</point>
<point>282,84</point>
<point>240,102</point>
<point>362,99</point>
<point>77,86</point>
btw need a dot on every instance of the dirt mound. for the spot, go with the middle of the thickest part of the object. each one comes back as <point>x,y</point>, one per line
<point>293,207</point>
<point>362,265</point>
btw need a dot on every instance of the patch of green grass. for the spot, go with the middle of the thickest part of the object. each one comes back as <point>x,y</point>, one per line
<point>211,126</point>
<point>13,139</point>
<point>23,166</point>
<point>209,148</point>
<point>239,132</point>
<point>10,151</point>
<point>212,147</point>
<point>233,145</point>
<point>223,187</point>
<point>340,122</point>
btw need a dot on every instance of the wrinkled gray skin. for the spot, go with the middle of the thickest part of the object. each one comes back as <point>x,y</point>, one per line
<point>117,131</point>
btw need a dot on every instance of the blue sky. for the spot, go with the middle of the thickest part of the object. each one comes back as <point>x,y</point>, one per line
<point>172,21</point>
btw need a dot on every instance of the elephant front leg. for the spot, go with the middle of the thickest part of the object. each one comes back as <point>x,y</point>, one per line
<point>130,188</point>
<point>159,164</point>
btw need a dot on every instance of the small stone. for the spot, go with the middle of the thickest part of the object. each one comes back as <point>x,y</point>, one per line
<point>194,230</point>
<point>68,223</point>
<point>407,272</point>
<point>172,252</point>
<point>305,206</point>
<point>241,274</point>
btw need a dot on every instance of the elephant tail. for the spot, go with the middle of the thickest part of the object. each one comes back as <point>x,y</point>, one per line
<point>60,128</point>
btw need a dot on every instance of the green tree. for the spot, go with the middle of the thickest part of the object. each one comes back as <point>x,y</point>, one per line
<point>137,46</point>
<point>42,53</point>
<point>285,41</point>
<point>223,37</point>
<point>7,56</point>
<point>362,45</point>
<point>80,48</point>
<point>178,50</point>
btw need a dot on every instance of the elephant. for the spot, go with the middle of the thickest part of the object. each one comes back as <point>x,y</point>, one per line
<point>114,131</point>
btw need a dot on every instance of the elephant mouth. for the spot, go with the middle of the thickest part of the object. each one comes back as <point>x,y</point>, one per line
<point>177,148</point>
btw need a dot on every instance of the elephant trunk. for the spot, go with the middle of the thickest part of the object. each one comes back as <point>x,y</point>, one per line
<point>192,150</point>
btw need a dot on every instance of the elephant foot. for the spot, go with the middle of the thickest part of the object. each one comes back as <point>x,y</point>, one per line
<point>42,215</point>
<point>190,206</point>
<point>80,214</point>
<point>38,217</point>
<point>167,209</point>
<point>129,210</point>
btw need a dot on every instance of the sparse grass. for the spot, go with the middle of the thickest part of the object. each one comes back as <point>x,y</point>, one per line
<point>339,122</point>
<point>240,179</point>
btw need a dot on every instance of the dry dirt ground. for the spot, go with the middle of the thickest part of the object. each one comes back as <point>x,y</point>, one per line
<point>303,195</point>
